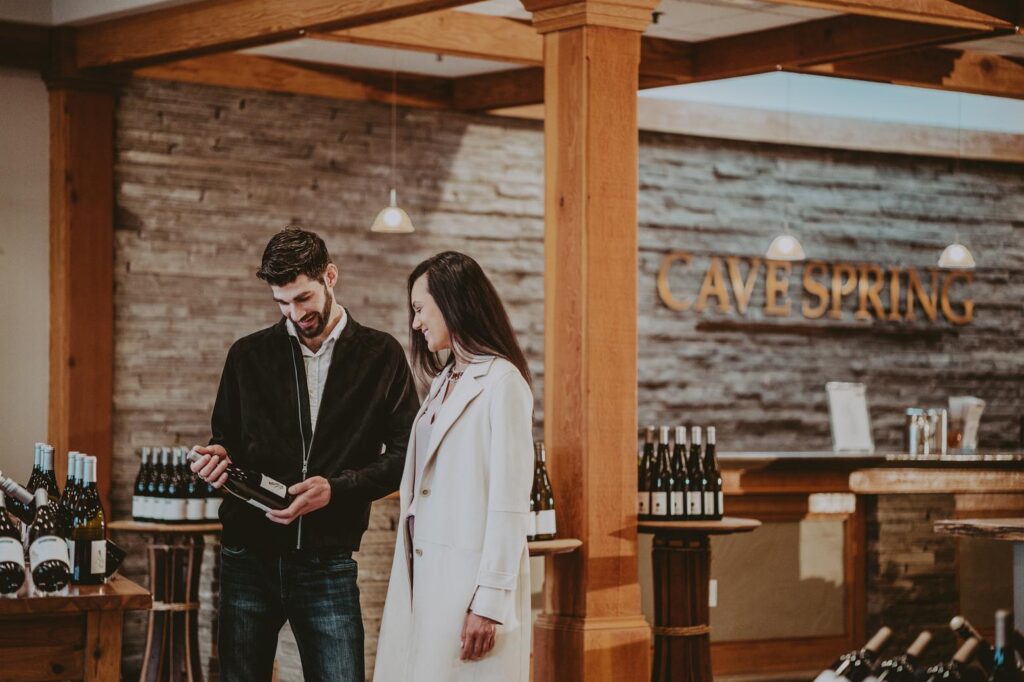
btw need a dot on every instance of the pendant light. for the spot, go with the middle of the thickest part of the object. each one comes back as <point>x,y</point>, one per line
<point>392,219</point>
<point>785,246</point>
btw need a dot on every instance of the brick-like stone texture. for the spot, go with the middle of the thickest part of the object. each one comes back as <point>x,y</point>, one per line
<point>204,176</point>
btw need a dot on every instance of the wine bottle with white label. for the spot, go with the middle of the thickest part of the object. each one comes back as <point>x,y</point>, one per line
<point>12,553</point>
<point>195,496</point>
<point>542,497</point>
<point>48,550</point>
<point>695,473</point>
<point>252,487</point>
<point>714,499</point>
<point>140,502</point>
<point>677,494</point>
<point>661,481</point>
<point>89,536</point>
<point>645,464</point>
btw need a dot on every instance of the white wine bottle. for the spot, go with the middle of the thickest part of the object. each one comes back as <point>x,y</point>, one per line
<point>252,487</point>
<point>543,498</point>
<point>89,536</point>
<point>48,550</point>
<point>12,553</point>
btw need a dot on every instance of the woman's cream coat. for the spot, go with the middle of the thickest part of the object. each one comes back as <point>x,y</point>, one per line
<point>470,533</point>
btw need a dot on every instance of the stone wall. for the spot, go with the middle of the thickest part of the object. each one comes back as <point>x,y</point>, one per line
<point>206,175</point>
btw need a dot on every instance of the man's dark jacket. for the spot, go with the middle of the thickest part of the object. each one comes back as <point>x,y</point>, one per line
<point>359,443</point>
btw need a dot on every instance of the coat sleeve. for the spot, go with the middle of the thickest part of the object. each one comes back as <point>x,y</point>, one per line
<point>508,498</point>
<point>226,421</point>
<point>384,473</point>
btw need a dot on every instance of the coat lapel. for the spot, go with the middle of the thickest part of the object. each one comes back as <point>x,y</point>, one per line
<point>462,395</point>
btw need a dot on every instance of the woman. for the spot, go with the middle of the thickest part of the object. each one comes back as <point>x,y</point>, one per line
<point>458,604</point>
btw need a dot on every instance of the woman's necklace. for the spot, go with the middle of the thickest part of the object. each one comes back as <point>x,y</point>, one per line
<point>453,376</point>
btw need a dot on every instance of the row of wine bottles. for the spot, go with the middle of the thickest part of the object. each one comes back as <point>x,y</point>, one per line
<point>677,481</point>
<point>974,661</point>
<point>542,499</point>
<point>166,490</point>
<point>63,534</point>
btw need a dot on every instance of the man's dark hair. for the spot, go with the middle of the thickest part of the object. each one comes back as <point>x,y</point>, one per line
<point>293,252</point>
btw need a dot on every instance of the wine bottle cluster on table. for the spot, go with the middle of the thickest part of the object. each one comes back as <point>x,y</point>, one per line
<point>974,661</point>
<point>62,535</point>
<point>166,490</point>
<point>679,480</point>
<point>542,499</point>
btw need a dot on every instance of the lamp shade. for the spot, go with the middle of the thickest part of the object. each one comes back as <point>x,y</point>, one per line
<point>956,257</point>
<point>785,247</point>
<point>392,220</point>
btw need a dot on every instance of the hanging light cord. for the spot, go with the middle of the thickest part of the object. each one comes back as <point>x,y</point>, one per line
<point>394,118</point>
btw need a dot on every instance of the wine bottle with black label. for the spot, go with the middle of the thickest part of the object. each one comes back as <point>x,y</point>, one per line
<point>48,549</point>
<point>1004,660</point>
<point>12,553</point>
<point>857,665</point>
<point>958,668</point>
<point>982,650</point>
<point>714,499</point>
<point>252,487</point>
<point>661,482</point>
<point>88,538</point>
<point>903,668</point>
<point>544,499</point>
<point>677,496</point>
<point>645,467</point>
<point>696,484</point>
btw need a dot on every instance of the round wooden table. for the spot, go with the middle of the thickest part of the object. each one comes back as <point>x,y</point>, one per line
<point>175,568</point>
<point>681,558</point>
<point>1007,530</point>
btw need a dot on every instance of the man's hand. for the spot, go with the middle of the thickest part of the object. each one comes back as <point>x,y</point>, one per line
<point>212,465</point>
<point>310,495</point>
<point>477,637</point>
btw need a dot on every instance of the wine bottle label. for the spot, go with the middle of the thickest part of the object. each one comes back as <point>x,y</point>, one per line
<point>694,504</point>
<point>98,557</point>
<point>531,528</point>
<point>546,522</point>
<point>213,508</point>
<point>258,505</point>
<point>11,550</point>
<point>71,553</point>
<point>643,503</point>
<point>275,487</point>
<point>721,503</point>
<point>137,502</point>
<point>709,503</point>
<point>49,548</point>
<point>179,509</point>
<point>677,506</point>
<point>195,508</point>
<point>659,504</point>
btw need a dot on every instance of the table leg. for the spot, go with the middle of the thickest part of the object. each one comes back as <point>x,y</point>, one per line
<point>682,641</point>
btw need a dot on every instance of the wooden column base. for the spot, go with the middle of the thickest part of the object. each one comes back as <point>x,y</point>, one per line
<point>567,648</point>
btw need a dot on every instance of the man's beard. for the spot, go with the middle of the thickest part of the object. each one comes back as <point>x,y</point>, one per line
<point>321,318</point>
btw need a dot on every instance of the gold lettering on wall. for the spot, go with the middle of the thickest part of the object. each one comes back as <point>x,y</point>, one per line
<point>825,287</point>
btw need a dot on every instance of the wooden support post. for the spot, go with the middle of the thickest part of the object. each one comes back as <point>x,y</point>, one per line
<point>592,628</point>
<point>82,274</point>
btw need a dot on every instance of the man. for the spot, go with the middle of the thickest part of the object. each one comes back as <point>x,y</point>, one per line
<point>323,405</point>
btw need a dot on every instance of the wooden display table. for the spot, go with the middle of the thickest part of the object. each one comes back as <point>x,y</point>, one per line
<point>681,558</point>
<point>72,636</point>
<point>175,568</point>
<point>1007,530</point>
<point>556,546</point>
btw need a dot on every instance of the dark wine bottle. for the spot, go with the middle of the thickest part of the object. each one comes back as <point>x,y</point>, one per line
<point>1004,660</point>
<point>544,502</point>
<point>176,504</point>
<point>12,553</point>
<point>903,668</point>
<point>139,495</point>
<point>152,487</point>
<point>64,511</point>
<point>661,481</point>
<point>163,481</point>
<point>213,500</point>
<point>48,550</point>
<point>714,499</point>
<point>195,493</point>
<point>857,665</point>
<point>958,668</point>
<point>88,538</point>
<point>254,488</point>
<point>49,478</point>
<point>964,630</point>
<point>695,475</point>
<point>677,497</point>
<point>25,511</point>
<point>644,470</point>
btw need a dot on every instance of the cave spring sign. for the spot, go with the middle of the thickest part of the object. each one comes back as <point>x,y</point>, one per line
<point>871,292</point>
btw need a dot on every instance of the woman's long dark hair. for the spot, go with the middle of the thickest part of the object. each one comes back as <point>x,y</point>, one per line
<point>473,311</point>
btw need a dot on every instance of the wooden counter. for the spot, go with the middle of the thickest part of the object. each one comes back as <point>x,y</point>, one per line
<point>73,636</point>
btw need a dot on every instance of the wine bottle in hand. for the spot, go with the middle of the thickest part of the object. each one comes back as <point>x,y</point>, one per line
<point>252,487</point>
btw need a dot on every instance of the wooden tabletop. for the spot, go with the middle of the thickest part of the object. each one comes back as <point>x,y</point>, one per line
<point>556,546</point>
<point>994,529</point>
<point>726,526</point>
<point>146,527</point>
<point>118,594</point>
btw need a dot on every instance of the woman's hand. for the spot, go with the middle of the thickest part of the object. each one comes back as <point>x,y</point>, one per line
<point>477,637</point>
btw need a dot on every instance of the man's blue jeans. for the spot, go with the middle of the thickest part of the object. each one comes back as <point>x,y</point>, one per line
<point>314,590</point>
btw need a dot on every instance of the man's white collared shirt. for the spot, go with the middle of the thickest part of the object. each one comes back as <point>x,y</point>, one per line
<point>318,363</point>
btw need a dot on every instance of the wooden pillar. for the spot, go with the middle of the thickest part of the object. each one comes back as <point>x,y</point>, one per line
<point>592,628</point>
<point>81,271</point>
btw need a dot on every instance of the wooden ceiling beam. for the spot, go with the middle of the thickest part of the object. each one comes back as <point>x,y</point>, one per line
<point>322,80</point>
<point>976,14</point>
<point>500,89</point>
<point>24,46</point>
<point>220,25</point>
<point>941,68</point>
<point>449,32</point>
